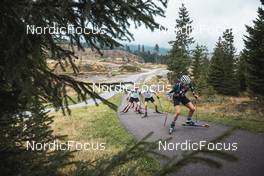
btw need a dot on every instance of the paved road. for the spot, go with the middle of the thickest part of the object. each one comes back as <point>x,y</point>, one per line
<point>250,146</point>
<point>137,77</point>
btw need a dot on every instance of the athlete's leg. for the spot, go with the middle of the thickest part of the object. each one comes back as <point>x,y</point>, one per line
<point>176,103</point>
<point>177,112</point>
<point>191,111</point>
<point>127,107</point>
<point>133,105</point>
<point>176,115</point>
<point>156,106</point>
<point>139,107</point>
<point>146,108</point>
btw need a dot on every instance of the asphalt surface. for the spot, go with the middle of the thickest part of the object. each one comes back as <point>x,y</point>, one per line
<point>136,78</point>
<point>250,146</point>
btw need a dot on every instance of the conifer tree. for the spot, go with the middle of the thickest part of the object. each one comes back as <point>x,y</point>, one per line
<point>230,80</point>
<point>216,71</point>
<point>199,61</point>
<point>199,67</point>
<point>254,54</point>
<point>27,81</point>
<point>156,52</point>
<point>179,55</point>
<point>222,68</point>
<point>127,48</point>
<point>156,48</point>
<point>242,72</point>
<point>139,48</point>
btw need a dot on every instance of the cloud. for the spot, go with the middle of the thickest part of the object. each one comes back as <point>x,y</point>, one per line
<point>210,19</point>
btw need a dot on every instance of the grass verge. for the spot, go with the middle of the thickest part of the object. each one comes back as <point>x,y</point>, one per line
<point>99,124</point>
<point>234,121</point>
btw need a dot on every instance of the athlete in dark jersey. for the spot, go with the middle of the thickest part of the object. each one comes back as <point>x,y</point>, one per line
<point>178,92</point>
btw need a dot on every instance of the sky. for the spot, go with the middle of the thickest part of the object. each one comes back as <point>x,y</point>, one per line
<point>210,19</point>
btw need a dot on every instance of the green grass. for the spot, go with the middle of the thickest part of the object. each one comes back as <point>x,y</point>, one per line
<point>100,123</point>
<point>73,97</point>
<point>250,125</point>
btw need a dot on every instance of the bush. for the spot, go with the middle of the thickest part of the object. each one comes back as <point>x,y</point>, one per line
<point>129,68</point>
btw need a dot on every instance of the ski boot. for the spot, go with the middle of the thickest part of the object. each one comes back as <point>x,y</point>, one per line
<point>156,110</point>
<point>190,122</point>
<point>139,112</point>
<point>172,128</point>
<point>145,115</point>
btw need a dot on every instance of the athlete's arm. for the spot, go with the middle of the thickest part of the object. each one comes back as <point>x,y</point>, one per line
<point>193,91</point>
<point>177,89</point>
<point>156,94</point>
<point>174,89</point>
<point>128,95</point>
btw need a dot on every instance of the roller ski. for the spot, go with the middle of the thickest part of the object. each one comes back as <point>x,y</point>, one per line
<point>158,112</point>
<point>194,124</point>
<point>125,110</point>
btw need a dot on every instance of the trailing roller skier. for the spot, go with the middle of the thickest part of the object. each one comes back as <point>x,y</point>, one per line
<point>133,96</point>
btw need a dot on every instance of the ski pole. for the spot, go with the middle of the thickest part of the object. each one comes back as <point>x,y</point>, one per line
<point>166,115</point>
<point>196,113</point>
<point>160,105</point>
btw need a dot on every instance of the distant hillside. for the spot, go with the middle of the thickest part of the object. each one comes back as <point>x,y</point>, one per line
<point>121,54</point>
<point>111,60</point>
<point>133,47</point>
<point>117,55</point>
<point>162,51</point>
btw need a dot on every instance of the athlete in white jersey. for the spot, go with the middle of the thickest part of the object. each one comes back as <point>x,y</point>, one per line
<point>148,95</point>
<point>133,97</point>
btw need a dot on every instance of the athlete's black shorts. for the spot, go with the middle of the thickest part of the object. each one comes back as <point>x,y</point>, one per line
<point>132,100</point>
<point>149,99</point>
<point>178,100</point>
